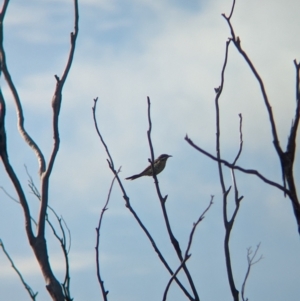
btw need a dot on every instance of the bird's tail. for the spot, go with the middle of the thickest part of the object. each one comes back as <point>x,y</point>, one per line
<point>133,177</point>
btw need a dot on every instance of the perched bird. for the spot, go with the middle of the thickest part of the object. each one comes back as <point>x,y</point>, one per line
<point>159,165</point>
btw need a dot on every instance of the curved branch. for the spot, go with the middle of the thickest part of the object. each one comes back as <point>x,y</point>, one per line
<point>101,282</point>
<point>56,103</point>
<point>11,173</point>
<point>20,116</point>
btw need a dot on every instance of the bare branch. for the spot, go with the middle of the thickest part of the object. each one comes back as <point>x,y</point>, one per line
<point>110,162</point>
<point>63,240</point>
<point>20,116</point>
<point>186,258</point>
<point>251,261</point>
<point>101,282</point>
<point>56,103</point>
<point>162,199</point>
<point>9,169</point>
<point>286,158</point>
<point>237,43</point>
<point>10,196</point>
<point>230,165</point>
<point>128,205</point>
<point>201,217</point>
<point>218,130</point>
<point>241,140</point>
<point>232,9</point>
<point>38,243</point>
<point>187,255</point>
<point>31,293</point>
<point>227,224</point>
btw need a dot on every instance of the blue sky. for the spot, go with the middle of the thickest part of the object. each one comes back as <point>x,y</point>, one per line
<point>172,52</point>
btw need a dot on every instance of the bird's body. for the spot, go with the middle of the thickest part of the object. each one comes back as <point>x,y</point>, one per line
<point>159,165</point>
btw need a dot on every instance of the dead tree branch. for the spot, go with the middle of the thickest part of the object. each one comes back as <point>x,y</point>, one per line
<point>251,261</point>
<point>228,223</point>
<point>31,293</point>
<point>100,280</point>
<point>286,157</point>
<point>163,200</point>
<point>11,85</point>
<point>132,211</point>
<point>38,242</point>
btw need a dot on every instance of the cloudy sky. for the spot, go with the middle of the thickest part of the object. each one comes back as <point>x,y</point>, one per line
<point>171,51</point>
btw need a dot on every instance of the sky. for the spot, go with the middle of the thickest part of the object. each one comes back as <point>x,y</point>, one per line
<point>171,51</point>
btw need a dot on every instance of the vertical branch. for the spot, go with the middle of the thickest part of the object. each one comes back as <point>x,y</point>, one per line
<point>40,247</point>
<point>288,158</point>
<point>20,116</point>
<point>63,244</point>
<point>3,147</point>
<point>31,293</point>
<point>37,243</point>
<point>62,240</point>
<point>11,173</point>
<point>218,134</point>
<point>228,224</point>
<point>128,205</point>
<point>56,103</point>
<point>251,261</point>
<point>162,199</point>
<point>101,282</point>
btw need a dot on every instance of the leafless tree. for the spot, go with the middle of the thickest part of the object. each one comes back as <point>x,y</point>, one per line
<point>286,159</point>
<point>37,239</point>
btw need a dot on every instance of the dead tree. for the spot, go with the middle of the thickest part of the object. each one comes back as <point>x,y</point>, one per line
<point>36,238</point>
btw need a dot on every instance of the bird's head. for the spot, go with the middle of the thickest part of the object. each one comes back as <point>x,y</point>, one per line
<point>164,157</point>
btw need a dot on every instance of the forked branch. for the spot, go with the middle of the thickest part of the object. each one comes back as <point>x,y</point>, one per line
<point>130,208</point>
<point>162,199</point>
<point>286,157</point>
<point>251,259</point>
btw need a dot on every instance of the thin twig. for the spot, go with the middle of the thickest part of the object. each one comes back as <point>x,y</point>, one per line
<point>31,293</point>
<point>101,282</point>
<point>10,196</point>
<point>187,255</point>
<point>251,262</point>
<point>128,205</point>
<point>201,217</point>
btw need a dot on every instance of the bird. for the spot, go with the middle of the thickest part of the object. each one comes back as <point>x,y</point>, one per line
<point>159,165</point>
